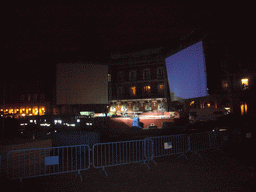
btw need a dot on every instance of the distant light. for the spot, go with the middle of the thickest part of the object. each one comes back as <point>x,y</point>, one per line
<point>57,121</point>
<point>78,120</point>
<point>31,121</point>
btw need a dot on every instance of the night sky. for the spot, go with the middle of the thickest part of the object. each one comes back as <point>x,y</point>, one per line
<point>33,30</point>
<point>186,72</point>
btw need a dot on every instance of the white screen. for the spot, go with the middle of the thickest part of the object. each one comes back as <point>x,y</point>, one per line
<point>81,83</point>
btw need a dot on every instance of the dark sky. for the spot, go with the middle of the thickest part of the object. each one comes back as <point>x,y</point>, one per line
<point>97,28</point>
<point>47,31</point>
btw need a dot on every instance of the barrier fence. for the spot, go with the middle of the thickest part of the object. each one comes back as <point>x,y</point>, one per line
<point>170,145</point>
<point>204,141</point>
<point>47,161</point>
<point>55,160</point>
<point>124,152</point>
<point>181,144</point>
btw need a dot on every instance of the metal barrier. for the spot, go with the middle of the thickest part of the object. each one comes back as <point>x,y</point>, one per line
<point>123,152</point>
<point>170,145</point>
<point>47,161</point>
<point>206,140</point>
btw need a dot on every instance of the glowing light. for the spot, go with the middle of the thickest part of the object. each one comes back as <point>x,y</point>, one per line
<point>133,91</point>
<point>245,83</point>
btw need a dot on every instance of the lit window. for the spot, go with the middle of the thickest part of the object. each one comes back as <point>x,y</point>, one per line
<point>146,89</point>
<point>133,91</point>
<point>146,74</point>
<point>243,107</point>
<point>192,103</point>
<point>245,84</point>
<point>161,88</point>
<point>224,84</point>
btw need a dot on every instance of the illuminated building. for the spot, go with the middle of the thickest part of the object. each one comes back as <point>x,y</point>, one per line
<point>138,82</point>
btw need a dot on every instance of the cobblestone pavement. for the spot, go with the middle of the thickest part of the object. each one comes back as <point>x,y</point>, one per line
<point>233,170</point>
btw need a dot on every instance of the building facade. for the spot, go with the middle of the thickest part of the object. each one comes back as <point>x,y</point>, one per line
<point>231,69</point>
<point>138,83</point>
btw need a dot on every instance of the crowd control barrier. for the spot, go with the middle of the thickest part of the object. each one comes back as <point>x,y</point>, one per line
<point>170,145</point>
<point>205,141</point>
<point>122,152</point>
<point>47,161</point>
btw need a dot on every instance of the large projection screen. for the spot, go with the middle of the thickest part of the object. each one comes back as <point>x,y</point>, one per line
<point>81,83</point>
<point>187,73</point>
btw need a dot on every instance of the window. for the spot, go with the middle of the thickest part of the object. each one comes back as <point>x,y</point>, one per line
<point>29,97</point>
<point>22,97</point>
<point>160,73</point>
<point>35,97</point>
<point>109,77</point>
<point>132,75</point>
<point>243,107</point>
<point>161,89</point>
<point>245,84</point>
<point>120,91</point>
<point>146,90</point>
<point>133,91</point>
<point>146,74</point>
<point>224,84</point>
<point>42,97</point>
<point>120,76</point>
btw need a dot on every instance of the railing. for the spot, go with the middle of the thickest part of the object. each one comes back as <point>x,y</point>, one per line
<point>181,144</point>
<point>206,140</point>
<point>123,152</point>
<point>47,161</point>
<point>170,145</point>
<point>55,160</point>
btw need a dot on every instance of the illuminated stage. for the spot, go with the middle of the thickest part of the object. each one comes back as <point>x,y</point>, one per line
<point>125,123</point>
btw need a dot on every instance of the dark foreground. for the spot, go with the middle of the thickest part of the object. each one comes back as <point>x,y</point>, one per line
<point>233,170</point>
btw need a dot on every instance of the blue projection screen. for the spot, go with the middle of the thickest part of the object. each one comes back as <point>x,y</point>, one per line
<point>186,72</point>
